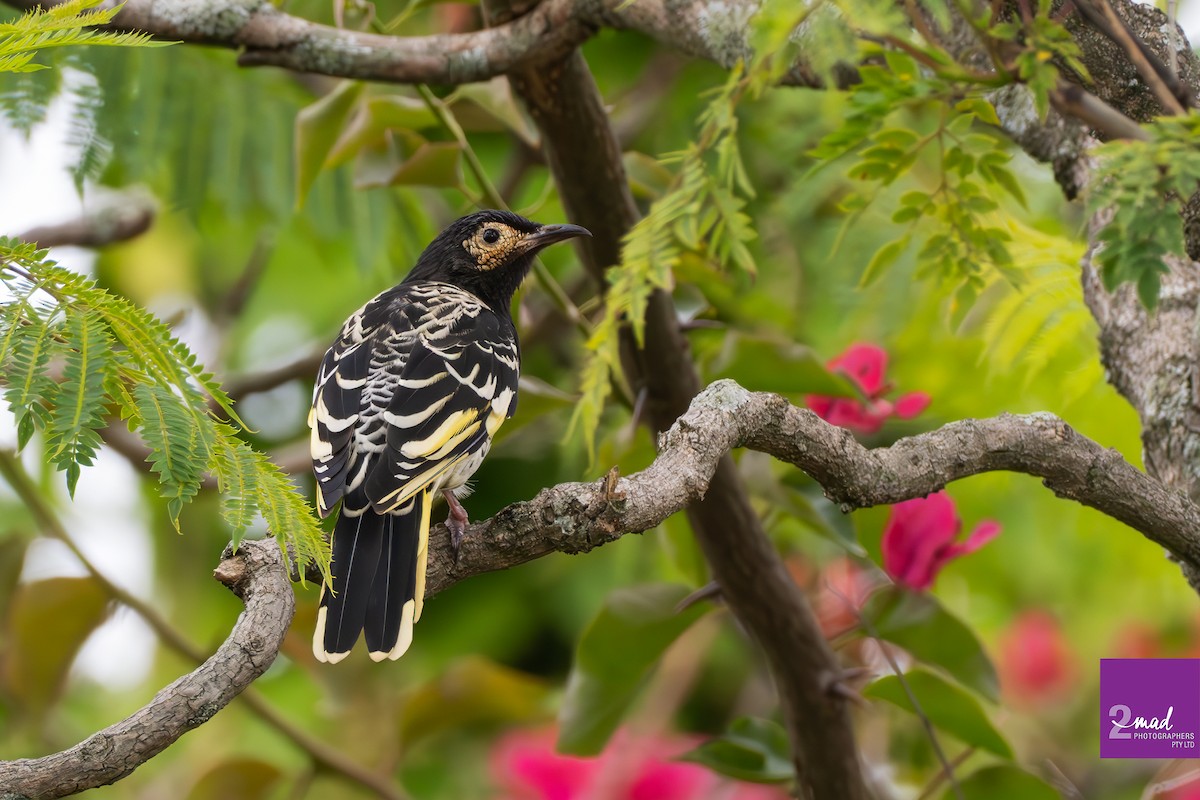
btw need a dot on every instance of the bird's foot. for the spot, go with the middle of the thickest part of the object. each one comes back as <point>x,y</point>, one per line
<point>456,521</point>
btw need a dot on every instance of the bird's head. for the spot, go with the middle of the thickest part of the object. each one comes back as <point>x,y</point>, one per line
<point>489,253</point>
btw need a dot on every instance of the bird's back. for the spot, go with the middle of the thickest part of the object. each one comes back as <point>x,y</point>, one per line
<point>412,383</point>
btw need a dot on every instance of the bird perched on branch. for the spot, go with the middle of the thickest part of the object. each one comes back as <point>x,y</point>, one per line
<point>406,404</point>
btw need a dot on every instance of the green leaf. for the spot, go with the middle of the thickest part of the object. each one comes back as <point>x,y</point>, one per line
<point>1002,782</point>
<point>79,415</point>
<point>66,24</point>
<point>431,164</point>
<point>243,778</point>
<point>755,750</point>
<point>980,107</point>
<point>179,450</point>
<point>30,344</point>
<point>768,365</point>
<point>613,659</point>
<point>237,477</point>
<point>1008,182</point>
<point>472,692</point>
<point>884,258</point>
<point>919,624</point>
<point>372,121</point>
<point>945,705</point>
<point>318,128</point>
<point>48,622</point>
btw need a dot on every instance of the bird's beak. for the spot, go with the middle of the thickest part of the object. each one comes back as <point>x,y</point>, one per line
<point>549,234</point>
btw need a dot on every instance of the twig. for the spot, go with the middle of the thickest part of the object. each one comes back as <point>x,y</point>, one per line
<point>303,368</point>
<point>122,219</point>
<point>945,774</point>
<point>1075,101</point>
<point>1171,95</point>
<point>930,733</point>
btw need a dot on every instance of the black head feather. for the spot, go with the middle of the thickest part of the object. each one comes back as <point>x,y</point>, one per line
<point>488,253</point>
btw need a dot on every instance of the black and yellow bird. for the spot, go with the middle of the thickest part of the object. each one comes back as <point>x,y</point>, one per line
<point>405,407</point>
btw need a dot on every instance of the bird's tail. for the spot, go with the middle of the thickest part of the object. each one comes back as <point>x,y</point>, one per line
<point>378,582</point>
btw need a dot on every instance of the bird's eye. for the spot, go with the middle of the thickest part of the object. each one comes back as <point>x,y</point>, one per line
<point>491,235</point>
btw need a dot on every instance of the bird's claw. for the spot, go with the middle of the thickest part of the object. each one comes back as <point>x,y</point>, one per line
<point>456,522</point>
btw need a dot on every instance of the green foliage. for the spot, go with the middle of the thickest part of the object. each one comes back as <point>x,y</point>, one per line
<point>26,96</point>
<point>1042,327</point>
<point>63,25</point>
<point>1046,45</point>
<point>80,405</point>
<point>755,750</point>
<point>1001,782</point>
<point>962,242</point>
<point>945,705</point>
<point>116,357</point>
<point>614,657</point>
<point>702,212</point>
<point>35,666</point>
<point>1144,184</point>
<point>917,622</point>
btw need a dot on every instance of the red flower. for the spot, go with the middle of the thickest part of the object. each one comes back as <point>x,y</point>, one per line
<point>526,767</point>
<point>921,537</point>
<point>1035,663</point>
<point>865,365</point>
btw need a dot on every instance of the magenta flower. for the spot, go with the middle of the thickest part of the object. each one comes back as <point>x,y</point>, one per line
<point>1035,660</point>
<point>525,766</point>
<point>921,537</point>
<point>865,365</point>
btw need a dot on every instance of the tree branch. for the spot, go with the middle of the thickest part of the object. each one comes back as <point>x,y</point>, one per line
<point>122,219</point>
<point>709,29</point>
<point>255,574</point>
<point>577,517</point>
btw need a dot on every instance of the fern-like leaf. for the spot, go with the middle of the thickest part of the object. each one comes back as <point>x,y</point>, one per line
<point>237,477</point>
<point>115,355</point>
<point>179,449</point>
<point>73,432</point>
<point>63,25</point>
<point>31,391</point>
<point>285,510</point>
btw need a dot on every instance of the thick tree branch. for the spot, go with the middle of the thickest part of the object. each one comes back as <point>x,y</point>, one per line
<point>577,517</point>
<point>710,29</point>
<point>255,574</point>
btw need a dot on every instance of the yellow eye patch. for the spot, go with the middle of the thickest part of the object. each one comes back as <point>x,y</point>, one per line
<point>492,244</point>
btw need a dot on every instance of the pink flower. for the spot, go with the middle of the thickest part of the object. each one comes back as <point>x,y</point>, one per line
<point>921,537</point>
<point>842,591</point>
<point>525,767</point>
<point>1035,660</point>
<point>865,365</point>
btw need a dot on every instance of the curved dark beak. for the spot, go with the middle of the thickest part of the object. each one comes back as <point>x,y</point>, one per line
<point>549,234</point>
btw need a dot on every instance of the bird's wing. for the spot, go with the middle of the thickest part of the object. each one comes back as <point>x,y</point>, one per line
<point>338,399</point>
<point>456,386</point>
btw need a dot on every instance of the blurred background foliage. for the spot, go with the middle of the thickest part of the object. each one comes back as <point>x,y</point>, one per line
<point>285,201</point>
